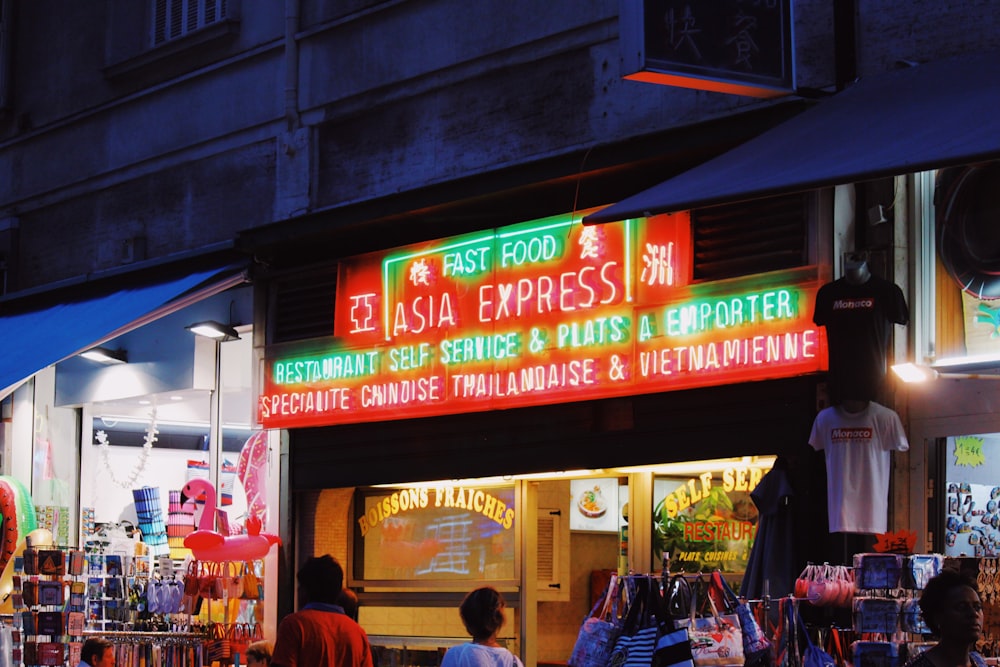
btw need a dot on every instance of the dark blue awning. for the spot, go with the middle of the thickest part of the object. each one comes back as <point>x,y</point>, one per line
<point>33,340</point>
<point>939,114</point>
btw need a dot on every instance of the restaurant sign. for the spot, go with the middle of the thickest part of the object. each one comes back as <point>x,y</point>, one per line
<point>541,312</point>
<point>743,47</point>
<point>707,521</point>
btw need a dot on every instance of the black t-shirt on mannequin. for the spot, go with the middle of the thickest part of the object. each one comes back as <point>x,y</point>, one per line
<point>858,312</point>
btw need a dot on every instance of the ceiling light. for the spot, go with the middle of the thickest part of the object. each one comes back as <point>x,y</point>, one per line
<point>216,330</point>
<point>105,355</point>
<point>910,373</point>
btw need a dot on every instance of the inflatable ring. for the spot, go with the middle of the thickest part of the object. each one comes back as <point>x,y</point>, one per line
<point>968,228</point>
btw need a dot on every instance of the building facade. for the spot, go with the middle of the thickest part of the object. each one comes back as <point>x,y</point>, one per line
<point>226,159</point>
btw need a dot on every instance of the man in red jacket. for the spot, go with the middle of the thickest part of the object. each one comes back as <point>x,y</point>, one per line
<point>320,633</point>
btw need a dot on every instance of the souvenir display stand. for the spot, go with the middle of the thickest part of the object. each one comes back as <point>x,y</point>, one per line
<point>203,608</point>
<point>888,625</point>
<point>172,615</point>
<point>880,594</point>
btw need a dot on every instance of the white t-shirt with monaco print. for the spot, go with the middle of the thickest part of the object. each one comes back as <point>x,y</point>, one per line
<point>857,447</point>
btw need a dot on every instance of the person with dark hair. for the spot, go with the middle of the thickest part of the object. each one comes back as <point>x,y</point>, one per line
<point>348,601</point>
<point>320,633</point>
<point>97,652</point>
<point>259,654</point>
<point>482,613</point>
<point>951,608</point>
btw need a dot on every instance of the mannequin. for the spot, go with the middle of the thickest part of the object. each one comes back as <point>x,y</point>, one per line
<point>858,311</point>
<point>856,269</point>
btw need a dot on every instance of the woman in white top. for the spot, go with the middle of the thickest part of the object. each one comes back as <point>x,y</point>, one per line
<point>482,615</point>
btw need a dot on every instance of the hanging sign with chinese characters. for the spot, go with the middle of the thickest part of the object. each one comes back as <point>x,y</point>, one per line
<point>541,312</point>
<point>742,47</point>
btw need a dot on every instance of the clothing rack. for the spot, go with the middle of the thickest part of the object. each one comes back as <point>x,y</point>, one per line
<point>139,637</point>
<point>165,649</point>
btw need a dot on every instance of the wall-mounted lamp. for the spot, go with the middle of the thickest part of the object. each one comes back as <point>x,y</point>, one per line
<point>216,330</point>
<point>911,373</point>
<point>105,355</point>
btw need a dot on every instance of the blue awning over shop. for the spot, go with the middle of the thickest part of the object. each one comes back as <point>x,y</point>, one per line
<point>929,116</point>
<point>32,340</point>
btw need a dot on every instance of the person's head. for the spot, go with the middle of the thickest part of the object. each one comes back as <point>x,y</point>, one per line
<point>320,579</point>
<point>98,652</point>
<point>951,607</point>
<point>348,600</point>
<point>259,653</point>
<point>482,612</point>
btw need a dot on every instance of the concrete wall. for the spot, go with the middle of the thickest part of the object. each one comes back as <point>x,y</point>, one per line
<point>189,145</point>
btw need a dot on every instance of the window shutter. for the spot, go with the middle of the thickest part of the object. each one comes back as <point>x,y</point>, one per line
<point>173,19</point>
<point>750,237</point>
<point>302,305</point>
<point>550,543</point>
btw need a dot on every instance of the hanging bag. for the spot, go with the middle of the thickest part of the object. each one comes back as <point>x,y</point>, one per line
<point>599,631</point>
<point>835,646</point>
<point>251,585</point>
<point>715,639</point>
<point>232,580</point>
<point>637,640</point>
<point>673,643</point>
<point>192,583</point>
<point>239,639</point>
<point>814,656</point>
<point>219,647</point>
<point>757,649</point>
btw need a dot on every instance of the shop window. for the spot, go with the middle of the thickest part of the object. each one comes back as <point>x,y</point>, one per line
<point>750,237</point>
<point>704,519</point>
<point>971,499</point>
<point>443,533</point>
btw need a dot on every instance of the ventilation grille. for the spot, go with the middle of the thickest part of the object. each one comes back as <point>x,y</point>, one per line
<point>302,305</point>
<point>173,19</point>
<point>750,237</point>
<point>547,531</point>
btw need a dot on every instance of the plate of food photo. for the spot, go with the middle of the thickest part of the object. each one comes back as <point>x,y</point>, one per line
<point>591,503</point>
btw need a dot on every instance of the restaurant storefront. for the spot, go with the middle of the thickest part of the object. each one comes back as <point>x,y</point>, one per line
<point>550,357</point>
<point>594,407</point>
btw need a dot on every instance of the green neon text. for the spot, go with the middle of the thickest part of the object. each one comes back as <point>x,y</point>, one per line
<point>728,312</point>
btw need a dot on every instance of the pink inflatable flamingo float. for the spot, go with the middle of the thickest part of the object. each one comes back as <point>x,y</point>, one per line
<point>207,544</point>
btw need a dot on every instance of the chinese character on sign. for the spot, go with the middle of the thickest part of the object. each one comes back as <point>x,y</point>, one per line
<point>363,314</point>
<point>658,264</point>
<point>420,273</point>
<point>590,243</point>
<point>682,32</point>
<point>743,27</point>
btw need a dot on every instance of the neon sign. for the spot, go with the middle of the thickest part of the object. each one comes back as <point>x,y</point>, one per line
<point>536,313</point>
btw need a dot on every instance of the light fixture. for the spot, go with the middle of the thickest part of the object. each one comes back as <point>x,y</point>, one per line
<point>216,330</point>
<point>105,355</point>
<point>912,373</point>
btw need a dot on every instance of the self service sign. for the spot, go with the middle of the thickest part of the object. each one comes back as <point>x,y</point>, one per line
<point>537,313</point>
